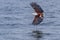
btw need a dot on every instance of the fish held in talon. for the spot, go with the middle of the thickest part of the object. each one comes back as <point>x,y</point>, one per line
<point>38,15</point>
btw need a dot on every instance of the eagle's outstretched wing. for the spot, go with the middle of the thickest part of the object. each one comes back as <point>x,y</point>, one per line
<point>36,7</point>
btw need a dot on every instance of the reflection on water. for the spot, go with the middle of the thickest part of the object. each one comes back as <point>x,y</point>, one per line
<point>37,34</point>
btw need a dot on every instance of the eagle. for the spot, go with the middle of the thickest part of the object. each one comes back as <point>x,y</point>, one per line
<point>38,13</point>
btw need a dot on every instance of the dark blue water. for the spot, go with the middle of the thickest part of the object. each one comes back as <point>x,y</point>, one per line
<point>16,18</point>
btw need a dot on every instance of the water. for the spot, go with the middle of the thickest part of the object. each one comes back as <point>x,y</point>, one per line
<point>16,18</point>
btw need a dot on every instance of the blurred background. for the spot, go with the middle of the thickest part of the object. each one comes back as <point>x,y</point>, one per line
<point>16,19</point>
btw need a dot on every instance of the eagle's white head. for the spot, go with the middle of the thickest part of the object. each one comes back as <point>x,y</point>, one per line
<point>34,14</point>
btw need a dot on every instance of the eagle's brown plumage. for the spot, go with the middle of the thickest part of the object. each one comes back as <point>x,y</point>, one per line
<point>39,17</point>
